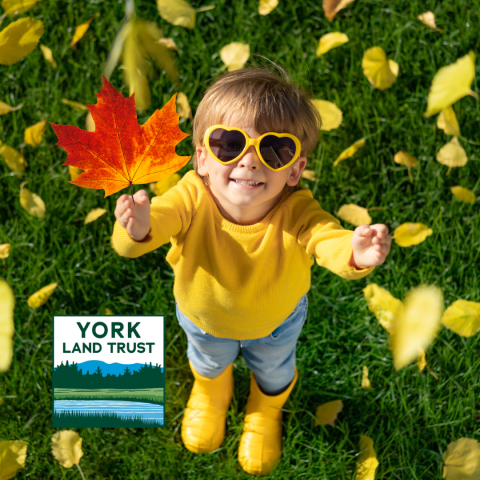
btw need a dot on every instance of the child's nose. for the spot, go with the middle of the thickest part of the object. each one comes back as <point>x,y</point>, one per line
<point>250,159</point>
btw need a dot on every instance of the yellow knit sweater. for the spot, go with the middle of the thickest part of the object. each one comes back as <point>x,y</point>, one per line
<point>241,281</point>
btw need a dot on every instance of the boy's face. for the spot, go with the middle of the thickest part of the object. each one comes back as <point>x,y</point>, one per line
<point>242,204</point>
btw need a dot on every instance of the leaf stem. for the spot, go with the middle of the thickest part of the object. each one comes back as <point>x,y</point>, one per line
<point>81,473</point>
<point>131,192</point>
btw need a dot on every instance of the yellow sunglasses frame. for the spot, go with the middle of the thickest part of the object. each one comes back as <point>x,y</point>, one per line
<point>252,141</point>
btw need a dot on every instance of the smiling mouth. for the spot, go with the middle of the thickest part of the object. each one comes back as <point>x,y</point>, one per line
<point>246,184</point>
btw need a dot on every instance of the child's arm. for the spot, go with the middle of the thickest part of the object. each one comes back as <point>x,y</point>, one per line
<point>321,234</point>
<point>144,227</point>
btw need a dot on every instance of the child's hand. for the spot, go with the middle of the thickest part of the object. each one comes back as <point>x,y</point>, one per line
<point>371,245</point>
<point>135,219</point>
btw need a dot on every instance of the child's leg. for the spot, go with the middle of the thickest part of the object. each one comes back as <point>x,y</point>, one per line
<point>272,358</point>
<point>209,355</point>
<point>210,358</point>
<point>274,374</point>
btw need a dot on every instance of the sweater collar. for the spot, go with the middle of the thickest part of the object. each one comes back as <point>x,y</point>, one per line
<point>234,227</point>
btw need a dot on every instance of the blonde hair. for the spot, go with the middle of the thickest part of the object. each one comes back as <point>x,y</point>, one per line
<point>270,102</point>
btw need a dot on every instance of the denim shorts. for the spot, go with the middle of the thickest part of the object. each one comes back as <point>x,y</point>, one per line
<point>271,358</point>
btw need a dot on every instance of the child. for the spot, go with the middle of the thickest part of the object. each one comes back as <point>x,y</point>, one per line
<point>243,237</point>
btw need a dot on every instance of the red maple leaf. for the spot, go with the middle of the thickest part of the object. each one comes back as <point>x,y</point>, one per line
<point>120,152</point>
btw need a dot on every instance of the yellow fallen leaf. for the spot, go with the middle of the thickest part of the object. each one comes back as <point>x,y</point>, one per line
<point>41,296</point>
<point>183,107</point>
<point>33,135</point>
<point>330,114</point>
<point>463,194</point>
<point>177,12</point>
<point>148,35</point>
<point>462,317</point>
<point>377,68</point>
<point>19,39</point>
<point>462,460</point>
<point>383,305</point>
<point>31,202</point>
<point>141,39</point>
<point>235,55</point>
<point>116,49</point>
<point>332,7</point>
<point>67,448</point>
<point>404,158</point>
<point>15,7</point>
<point>14,159</point>
<point>354,214</point>
<point>266,6</point>
<point>410,233</point>
<point>7,328</point>
<point>451,83</point>
<point>160,187</point>
<point>329,41</point>
<point>94,214</point>
<point>452,154</point>
<point>135,70</point>
<point>393,67</point>
<point>5,108</point>
<point>74,172</point>
<point>428,19</point>
<point>349,152</point>
<point>81,30</point>
<point>13,454</point>
<point>89,123</point>
<point>367,462</point>
<point>417,325</point>
<point>168,43</point>
<point>326,414</point>
<point>365,381</point>
<point>47,53</point>
<point>4,250</point>
<point>447,121</point>
<point>108,311</point>
<point>309,175</point>
<point>421,361</point>
<point>75,105</point>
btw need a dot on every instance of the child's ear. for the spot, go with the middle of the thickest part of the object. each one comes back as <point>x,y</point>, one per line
<point>296,171</point>
<point>201,160</point>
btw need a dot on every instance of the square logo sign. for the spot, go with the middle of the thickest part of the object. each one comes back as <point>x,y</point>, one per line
<point>108,371</point>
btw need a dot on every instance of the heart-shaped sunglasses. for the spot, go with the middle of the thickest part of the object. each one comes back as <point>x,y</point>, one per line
<point>276,150</point>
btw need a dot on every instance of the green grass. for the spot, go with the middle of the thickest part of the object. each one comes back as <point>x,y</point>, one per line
<point>411,416</point>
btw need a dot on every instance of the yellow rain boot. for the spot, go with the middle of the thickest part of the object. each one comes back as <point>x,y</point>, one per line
<point>203,425</point>
<point>261,442</point>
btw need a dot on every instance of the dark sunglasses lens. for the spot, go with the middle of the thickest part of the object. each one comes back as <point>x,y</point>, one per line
<point>226,145</point>
<point>277,152</point>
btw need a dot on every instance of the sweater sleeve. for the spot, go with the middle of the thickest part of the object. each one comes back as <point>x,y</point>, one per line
<point>170,216</point>
<point>322,236</point>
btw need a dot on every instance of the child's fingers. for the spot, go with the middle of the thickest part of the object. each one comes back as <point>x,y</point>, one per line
<point>363,230</point>
<point>120,212</point>
<point>382,240</point>
<point>141,196</point>
<point>126,217</point>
